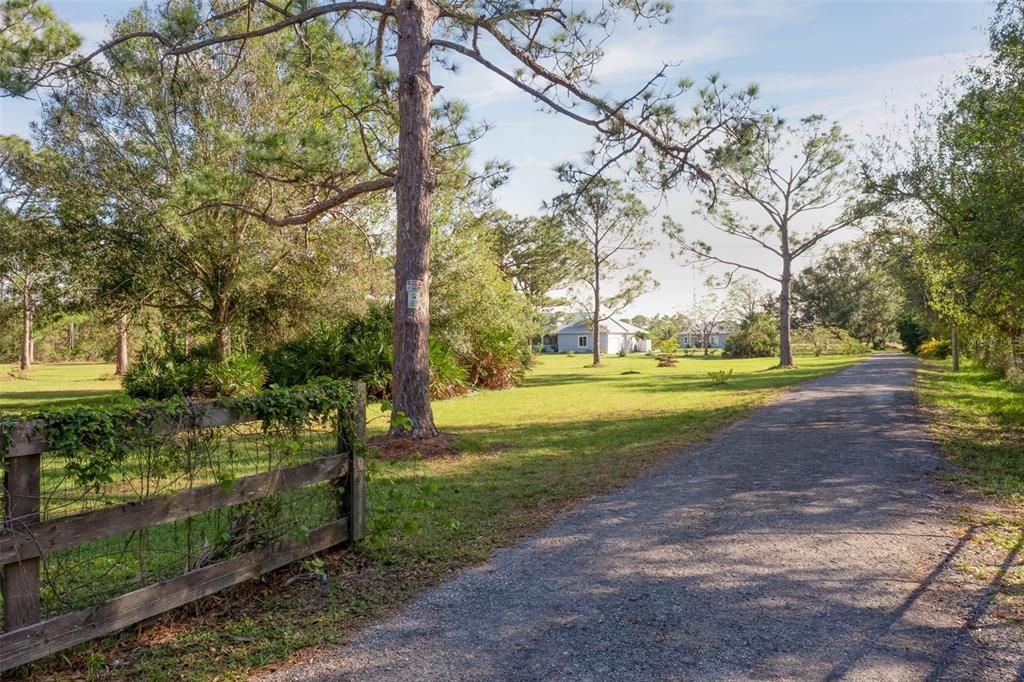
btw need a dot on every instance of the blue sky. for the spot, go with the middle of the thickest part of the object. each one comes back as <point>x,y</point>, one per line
<point>864,64</point>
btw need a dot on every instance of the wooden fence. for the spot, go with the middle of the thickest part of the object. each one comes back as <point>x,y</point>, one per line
<point>25,539</point>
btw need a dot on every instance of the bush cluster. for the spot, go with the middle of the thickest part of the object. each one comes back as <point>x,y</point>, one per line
<point>935,349</point>
<point>358,347</point>
<point>163,375</point>
<point>913,333</point>
<point>757,337</point>
<point>825,340</point>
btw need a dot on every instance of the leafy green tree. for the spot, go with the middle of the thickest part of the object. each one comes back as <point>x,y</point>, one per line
<point>180,154</point>
<point>611,225</point>
<point>33,262</point>
<point>849,289</point>
<point>663,327</point>
<point>536,254</point>
<point>32,43</point>
<point>476,309</point>
<point>792,175</point>
<point>545,50</point>
<point>956,177</point>
<point>706,315</point>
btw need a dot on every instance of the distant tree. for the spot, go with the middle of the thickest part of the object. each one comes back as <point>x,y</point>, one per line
<point>33,258</point>
<point>707,315</point>
<point>611,225</point>
<point>745,297</point>
<point>536,254</point>
<point>849,289</point>
<point>788,173</point>
<point>662,327</point>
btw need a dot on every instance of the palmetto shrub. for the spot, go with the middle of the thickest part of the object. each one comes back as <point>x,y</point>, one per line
<point>358,348</point>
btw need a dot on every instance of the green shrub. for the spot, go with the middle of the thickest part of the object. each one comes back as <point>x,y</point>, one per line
<point>159,375</point>
<point>358,348</point>
<point>825,340</point>
<point>239,375</point>
<point>667,346</point>
<point>757,337</point>
<point>912,334</point>
<point>935,349</point>
<point>720,377</point>
<point>447,375</point>
<point>496,359</point>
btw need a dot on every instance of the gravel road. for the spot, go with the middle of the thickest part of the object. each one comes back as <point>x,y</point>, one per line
<point>809,541</point>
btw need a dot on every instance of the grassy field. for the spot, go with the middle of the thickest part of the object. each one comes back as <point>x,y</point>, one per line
<point>56,385</point>
<point>979,419</point>
<point>521,457</point>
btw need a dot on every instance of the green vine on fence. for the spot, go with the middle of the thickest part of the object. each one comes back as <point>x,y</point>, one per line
<point>93,441</point>
<point>291,408</point>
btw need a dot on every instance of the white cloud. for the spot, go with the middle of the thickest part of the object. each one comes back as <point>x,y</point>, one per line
<point>867,99</point>
<point>643,55</point>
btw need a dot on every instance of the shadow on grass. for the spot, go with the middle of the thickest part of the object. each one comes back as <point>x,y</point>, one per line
<point>37,401</point>
<point>980,420</point>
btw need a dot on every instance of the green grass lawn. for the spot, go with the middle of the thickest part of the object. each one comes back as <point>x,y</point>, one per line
<point>523,456</point>
<point>55,385</point>
<point>979,420</point>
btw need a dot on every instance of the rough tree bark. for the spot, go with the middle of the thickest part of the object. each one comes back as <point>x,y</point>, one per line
<point>26,330</point>
<point>596,336</point>
<point>222,329</point>
<point>122,346</point>
<point>785,313</point>
<point>414,191</point>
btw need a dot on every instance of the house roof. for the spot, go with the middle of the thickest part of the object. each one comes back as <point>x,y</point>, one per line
<point>608,326</point>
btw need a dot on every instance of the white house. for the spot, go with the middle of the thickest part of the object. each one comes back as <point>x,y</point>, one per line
<point>614,336</point>
<point>694,339</point>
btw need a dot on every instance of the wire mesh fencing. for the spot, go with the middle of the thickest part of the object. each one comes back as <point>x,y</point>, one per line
<point>110,518</point>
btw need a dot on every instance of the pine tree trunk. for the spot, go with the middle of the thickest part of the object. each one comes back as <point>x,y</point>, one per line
<point>26,331</point>
<point>414,191</point>
<point>596,335</point>
<point>122,346</point>
<point>785,337</point>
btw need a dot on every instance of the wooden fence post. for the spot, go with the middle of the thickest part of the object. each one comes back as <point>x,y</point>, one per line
<point>351,439</point>
<point>21,579</point>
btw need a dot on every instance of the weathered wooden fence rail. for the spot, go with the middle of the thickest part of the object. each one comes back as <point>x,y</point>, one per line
<point>25,539</point>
